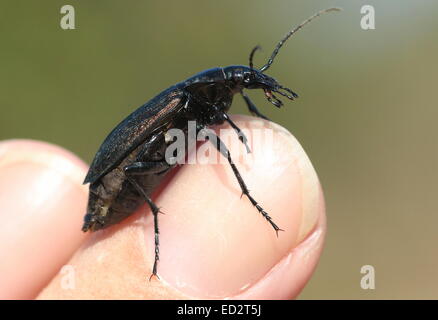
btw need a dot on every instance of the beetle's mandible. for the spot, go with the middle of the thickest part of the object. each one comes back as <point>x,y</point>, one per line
<point>131,162</point>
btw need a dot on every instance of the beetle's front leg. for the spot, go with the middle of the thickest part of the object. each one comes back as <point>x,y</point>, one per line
<point>145,168</point>
<point>239,132</point>
<point>252,108</point>
<point>226,153</point>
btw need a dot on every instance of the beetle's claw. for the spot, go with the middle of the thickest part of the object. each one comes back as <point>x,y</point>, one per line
<point>154,275</point>
<point>278,229</point>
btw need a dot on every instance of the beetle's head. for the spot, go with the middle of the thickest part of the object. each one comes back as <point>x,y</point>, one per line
<point>251,78</point>
<point>243,77</point>
<point>255,79</point>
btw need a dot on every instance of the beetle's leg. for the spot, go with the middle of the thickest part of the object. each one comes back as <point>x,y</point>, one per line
<point>252,108</point>
<point>155,212</point>
<point>142,168</point>
<point>226,153</point>
<point>240,134</point>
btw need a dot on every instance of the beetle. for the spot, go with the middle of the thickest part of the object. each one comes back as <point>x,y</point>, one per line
<point>131,161</point>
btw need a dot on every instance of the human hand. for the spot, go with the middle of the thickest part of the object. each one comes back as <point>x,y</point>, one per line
<point>213,243</point>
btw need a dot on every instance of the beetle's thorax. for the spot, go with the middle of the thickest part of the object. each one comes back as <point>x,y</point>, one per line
<point>207,108</point>
<point>210,94</point>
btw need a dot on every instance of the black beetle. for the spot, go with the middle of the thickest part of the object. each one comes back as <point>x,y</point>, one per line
<point>131,161</point>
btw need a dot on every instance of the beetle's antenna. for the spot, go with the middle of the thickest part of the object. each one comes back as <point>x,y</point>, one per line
<point>290,33</point>
<point>251,56</point>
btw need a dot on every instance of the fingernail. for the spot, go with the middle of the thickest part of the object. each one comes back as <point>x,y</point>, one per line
<point>215,244</point>
<point>41,204</point>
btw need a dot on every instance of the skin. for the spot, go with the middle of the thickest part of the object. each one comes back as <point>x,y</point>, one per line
<point>214,244</point>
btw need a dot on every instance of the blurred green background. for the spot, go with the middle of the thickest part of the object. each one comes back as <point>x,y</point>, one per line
<point>366,115</point>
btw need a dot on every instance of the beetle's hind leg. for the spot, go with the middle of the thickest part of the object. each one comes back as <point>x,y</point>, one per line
<point>226,153</point>
<point>145,168</point>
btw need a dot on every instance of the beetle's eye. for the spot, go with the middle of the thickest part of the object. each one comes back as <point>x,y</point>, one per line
<point>246,77</point>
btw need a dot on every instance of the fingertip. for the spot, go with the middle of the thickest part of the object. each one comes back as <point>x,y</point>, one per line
<point>46,154</point>
<point>41,206</point>
<point>287,278</point>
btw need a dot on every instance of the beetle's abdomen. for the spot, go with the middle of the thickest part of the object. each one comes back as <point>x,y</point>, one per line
<point>106,208</point>
<point>113,197</point>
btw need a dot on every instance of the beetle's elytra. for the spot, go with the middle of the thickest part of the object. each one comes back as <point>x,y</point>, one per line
<point>131,162</point>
